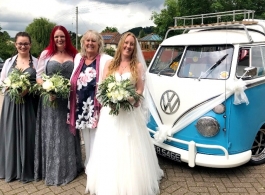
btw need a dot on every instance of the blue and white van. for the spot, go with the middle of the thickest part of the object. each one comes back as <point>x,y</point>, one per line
<point>207,91</point>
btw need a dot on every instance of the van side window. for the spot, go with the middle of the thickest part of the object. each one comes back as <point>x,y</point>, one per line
<point>167,61</point>
<point>243,61</point>
<point>257,59</point>
<point>251,57</point>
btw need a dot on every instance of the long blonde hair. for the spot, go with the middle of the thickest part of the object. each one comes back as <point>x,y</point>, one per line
<point>115,63</point>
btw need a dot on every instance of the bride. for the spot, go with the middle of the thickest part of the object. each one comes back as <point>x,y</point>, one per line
<point>123,160</point>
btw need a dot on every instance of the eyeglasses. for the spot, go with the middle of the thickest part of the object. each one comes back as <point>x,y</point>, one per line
<point>21,44</point>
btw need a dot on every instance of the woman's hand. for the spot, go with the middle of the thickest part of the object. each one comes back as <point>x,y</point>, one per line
<point>6,89</point>
<point>24,93</point>
<point>52,97</point>
<point>137,104</point>
<point>131,100</point>
<point>39,81</point>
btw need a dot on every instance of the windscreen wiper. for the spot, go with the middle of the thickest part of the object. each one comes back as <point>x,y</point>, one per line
<point>209,70</point>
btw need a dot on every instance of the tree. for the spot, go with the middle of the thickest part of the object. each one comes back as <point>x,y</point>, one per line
<point>73,39</point>
<point>164,19</point>
<point>109,51</point>
<point>110,29</point>
<point>141,33</point>
<point>7,48</point>
<point>175,8</point>
<point>146,30</point>
<point>39,30</point>
<point>4,36</point>
<point>193,7</point>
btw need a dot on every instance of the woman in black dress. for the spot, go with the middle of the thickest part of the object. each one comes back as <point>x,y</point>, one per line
<point>17,125</point>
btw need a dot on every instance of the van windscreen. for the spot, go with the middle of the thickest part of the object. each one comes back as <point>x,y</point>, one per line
<point>167,60</point>
<point>206,62</point>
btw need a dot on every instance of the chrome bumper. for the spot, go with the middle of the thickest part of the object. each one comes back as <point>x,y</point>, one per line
<point>193,158</point>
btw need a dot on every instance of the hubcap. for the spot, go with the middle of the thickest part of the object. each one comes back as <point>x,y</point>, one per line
<point>258,147</point>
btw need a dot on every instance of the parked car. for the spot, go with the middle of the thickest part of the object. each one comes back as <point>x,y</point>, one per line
<point>1,64</point>
<point>206,88</point>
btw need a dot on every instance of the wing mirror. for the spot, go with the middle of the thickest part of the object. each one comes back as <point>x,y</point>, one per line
<point>249,72</point>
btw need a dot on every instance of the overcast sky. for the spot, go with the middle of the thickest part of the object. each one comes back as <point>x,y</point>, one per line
<point>16,15</point>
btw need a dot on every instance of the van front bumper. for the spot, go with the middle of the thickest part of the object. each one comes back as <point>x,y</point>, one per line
<point>193,158</point>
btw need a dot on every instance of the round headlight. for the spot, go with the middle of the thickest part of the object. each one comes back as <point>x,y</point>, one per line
<point>208,126</point>
<point>219,109</point>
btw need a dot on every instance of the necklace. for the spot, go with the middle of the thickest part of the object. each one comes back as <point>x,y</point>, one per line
<point>123,68</point>
<point>24,61</point>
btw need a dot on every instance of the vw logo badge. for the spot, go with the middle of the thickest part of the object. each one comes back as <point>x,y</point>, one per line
<point>169,102</point>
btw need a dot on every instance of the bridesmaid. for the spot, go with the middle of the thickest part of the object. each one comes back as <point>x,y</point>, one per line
<point>58,157</point>
<point>17,125</point>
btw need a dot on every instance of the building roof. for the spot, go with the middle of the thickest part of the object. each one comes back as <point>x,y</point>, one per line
<point>111,37</point>
<point>151,37</point>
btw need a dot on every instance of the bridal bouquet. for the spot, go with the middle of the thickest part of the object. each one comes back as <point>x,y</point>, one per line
<point>16,83</point>
<point>55,85</point>
<point>115,94</point>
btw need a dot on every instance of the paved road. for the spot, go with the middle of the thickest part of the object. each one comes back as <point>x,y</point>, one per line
<point>179,179</point>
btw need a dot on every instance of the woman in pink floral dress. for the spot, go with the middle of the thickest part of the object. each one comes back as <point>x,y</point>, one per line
<point>88,69</point>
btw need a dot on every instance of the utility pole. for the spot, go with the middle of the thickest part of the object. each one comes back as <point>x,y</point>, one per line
<point>76,43</point>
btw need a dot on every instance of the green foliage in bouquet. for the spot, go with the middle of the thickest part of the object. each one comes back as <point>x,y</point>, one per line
<point>16,83</point>
<point>115,94</point>
<point>55,85</point>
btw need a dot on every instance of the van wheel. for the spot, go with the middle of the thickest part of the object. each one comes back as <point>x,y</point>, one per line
<point>258,148</point>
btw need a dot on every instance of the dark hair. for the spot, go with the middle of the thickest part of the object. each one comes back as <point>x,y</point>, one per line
<point>69,48</point>
<point>22,34</point>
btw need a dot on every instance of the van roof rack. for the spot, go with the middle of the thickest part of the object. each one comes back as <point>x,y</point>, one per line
<point>191,22</point>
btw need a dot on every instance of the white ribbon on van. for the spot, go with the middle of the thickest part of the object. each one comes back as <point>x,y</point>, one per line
<point>236,87</point>
<point>162,130</point>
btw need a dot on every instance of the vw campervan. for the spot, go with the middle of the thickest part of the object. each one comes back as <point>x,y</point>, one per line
<point>207,89</point>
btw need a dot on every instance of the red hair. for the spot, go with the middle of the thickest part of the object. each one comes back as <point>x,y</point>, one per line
<point>69,48</point>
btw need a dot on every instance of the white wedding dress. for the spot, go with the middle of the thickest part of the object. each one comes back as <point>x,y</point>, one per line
<point>123,160</point>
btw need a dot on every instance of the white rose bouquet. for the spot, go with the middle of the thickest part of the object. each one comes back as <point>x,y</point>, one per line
<point>15,84</point>
<point>55,85</point>
<point>116,94</point>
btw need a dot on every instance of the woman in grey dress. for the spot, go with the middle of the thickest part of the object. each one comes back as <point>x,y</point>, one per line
<point>17,126</point>
<point>57,151</point>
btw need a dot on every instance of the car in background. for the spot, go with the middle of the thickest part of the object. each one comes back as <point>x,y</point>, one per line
<point>1,64</point>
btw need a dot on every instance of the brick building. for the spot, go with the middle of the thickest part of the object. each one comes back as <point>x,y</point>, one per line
<point>111,39</point>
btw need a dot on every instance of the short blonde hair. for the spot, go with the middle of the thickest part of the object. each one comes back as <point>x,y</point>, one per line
<point>94,35</point>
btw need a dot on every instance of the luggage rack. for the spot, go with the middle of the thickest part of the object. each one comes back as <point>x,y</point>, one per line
<point>248,19</point>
